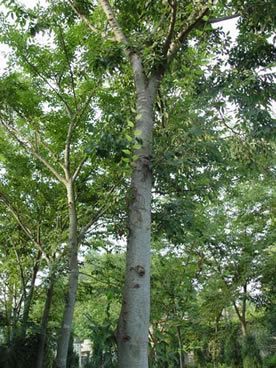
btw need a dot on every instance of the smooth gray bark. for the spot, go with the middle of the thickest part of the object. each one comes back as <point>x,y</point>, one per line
<point>133,327</point>
<point>132,334</point>
<point>63,343</point>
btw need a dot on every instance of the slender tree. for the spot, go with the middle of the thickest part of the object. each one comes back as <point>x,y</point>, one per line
<point>132,333</point>
<point>51,77</point>
<point>151,36</point>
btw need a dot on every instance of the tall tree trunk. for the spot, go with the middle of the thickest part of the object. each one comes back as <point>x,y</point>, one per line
<point>132,334</point>
<point>63,343</point>
<point>44,322</point>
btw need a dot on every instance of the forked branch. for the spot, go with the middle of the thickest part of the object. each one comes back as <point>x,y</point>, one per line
<point>173,5</point>
<point>189,25</point>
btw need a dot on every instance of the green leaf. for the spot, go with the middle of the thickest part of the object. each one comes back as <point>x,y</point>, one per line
<point>137,132</point>
<point>130,124</point>
<point>128,137</point>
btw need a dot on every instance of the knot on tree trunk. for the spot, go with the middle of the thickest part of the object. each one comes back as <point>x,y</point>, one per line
<point>140,270</point>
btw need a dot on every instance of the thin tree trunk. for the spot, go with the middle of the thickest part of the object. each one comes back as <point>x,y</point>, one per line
<point>63,343</point>
<point>44,322</point>
<point>181,360</point>
<point>28,301</point>
<point>132,334</point>
<point>242,315</point>
<point>243,320</point>
<point>8,314</point>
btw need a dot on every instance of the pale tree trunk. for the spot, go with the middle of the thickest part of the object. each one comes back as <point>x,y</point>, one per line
<point>243,320</point>
<point>44,322</point>
<point>64,338</point>
<point>133,328</point>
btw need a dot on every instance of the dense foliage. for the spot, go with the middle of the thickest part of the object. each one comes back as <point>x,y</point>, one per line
<point>69,137</point>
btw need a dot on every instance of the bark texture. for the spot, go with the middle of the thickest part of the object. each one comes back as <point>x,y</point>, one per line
<point>63,343</point>
<point>133,325</point>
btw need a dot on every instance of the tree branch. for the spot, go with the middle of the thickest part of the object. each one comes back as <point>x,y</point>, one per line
<point>119,34</point>
<point>227,17</point>
<point>169,38</point>
<point>69,67</point>
<point>237,311</point>
<point>227,126</point>
<point>87,21</point>
<point>24,283</point>
<point>244,298</point>
<point>51,152</point>
<point>67,148</point>
<point>135,59</point>
<point>41,141</point>
<point>46,81</point>
<point>95,218</point>
<point>75,119</point>
<point>78,169</point>
<point>29,147</point>
<point>191,23</point>
<point>5,200</point>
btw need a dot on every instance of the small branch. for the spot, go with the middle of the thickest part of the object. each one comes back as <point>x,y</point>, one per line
<point>78,169</point>
<point>41,141</point>
<point>85,106</point>
<point>97,279</point>
<point>244,298</point>
<point>237,311</point>
<point>95,218</point>
<point>23,225</point>
<point>69,67</point>
<point>70,131</point>
<point>21,271</point>
<point>87,22</point>
<point>169,38</point>
<point>45,79</point>
<point>222,19</point>
<point>29,147</point>
<point>67,148</point>
<point>227,126</point>
<point>45,145</point>
<point>191,23</point>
